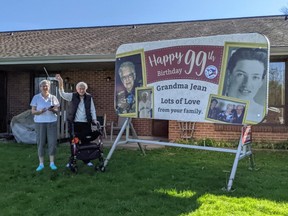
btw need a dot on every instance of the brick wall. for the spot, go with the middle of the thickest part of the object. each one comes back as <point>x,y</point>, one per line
<point>103,95</point>
<point>143,127</point>
<point>230,132</point>
<point>101,90</point>
<point>18,93</point>
<point>19,97</point>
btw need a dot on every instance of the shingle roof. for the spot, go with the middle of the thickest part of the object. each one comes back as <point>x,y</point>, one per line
<point>106,40</point>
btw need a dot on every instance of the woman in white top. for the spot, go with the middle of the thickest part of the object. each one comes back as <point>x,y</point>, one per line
<point>44,108</point>
<point>144,107</point>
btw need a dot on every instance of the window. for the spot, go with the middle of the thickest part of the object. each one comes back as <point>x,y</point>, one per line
<point>53,85</point>
<point>276,102</point>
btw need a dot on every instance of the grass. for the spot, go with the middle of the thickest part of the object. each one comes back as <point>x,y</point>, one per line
<point>169,181</point>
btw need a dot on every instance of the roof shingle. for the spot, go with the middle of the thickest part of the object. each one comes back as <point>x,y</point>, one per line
<point>106,40</point>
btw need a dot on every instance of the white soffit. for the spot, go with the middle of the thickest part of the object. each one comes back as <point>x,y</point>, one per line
<point>58,59</point>
<point>279,51</point>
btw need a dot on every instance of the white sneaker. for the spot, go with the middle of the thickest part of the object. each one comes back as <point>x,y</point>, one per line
<point>68,165</point>
<point>90,164</point>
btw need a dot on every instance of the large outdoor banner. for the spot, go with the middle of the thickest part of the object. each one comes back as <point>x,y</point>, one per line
<point>209,79</point>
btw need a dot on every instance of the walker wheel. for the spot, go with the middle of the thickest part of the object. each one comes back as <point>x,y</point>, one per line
<point>74,169</point>
<point>100,168</point>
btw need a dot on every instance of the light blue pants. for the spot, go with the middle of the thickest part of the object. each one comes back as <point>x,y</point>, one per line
<point>46,131</point>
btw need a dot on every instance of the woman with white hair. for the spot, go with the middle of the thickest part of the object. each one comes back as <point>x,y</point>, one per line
<point>44,108</point>
<point>144,108</point>
<point>81,110</point>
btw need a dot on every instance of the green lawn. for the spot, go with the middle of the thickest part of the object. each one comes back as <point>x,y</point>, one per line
<point>167,181</point>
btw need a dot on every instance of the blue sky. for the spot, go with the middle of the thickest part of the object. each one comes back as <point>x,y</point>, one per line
<point>36,14</point>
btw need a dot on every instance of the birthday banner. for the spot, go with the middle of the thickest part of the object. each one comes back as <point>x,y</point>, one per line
<point>209,79</point>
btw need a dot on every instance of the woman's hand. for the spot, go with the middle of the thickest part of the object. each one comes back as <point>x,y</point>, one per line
<point>34,111</point>
<point>53,109</point>
<point>58,78</point>
<point>43,110</point>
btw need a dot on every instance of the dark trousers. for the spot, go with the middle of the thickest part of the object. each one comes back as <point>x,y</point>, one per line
<point>80,130</point>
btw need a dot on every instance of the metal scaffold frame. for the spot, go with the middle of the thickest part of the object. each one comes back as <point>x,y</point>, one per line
<point>243,150</point>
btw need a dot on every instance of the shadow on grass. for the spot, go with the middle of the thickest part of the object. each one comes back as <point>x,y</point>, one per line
<point>195,179</point>
<point>169,181</point>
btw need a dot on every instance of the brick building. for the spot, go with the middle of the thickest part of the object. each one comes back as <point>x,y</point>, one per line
<point>88,54</point>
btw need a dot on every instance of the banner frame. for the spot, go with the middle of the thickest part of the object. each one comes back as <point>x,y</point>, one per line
<point>241,152</point>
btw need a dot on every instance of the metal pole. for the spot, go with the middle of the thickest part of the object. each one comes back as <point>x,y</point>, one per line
<point>235,164</point>
<point>136,137</point>
<point>116,142</point>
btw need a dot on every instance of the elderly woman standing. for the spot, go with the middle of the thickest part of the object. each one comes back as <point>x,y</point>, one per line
<point>44,108</point>
<point>81,110</point>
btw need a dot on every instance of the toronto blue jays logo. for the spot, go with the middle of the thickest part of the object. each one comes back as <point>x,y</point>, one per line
<point>130,98</point>
<point>211,72</point>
